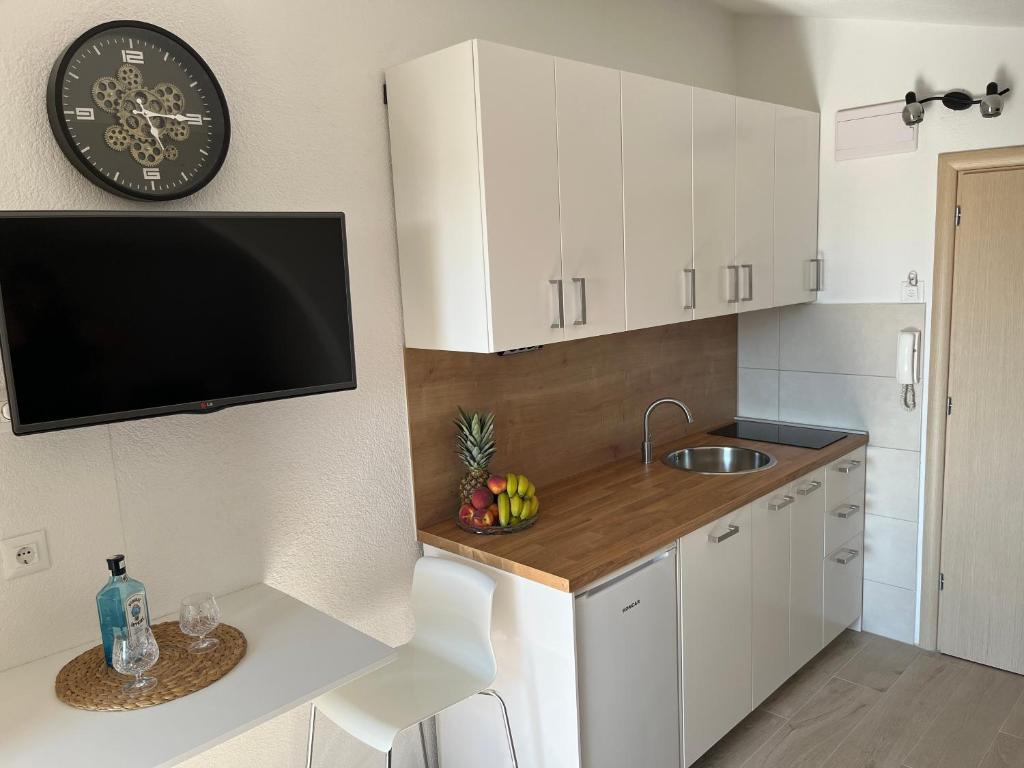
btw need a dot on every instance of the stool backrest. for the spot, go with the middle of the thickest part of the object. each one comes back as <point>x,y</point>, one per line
<point>452,604</point>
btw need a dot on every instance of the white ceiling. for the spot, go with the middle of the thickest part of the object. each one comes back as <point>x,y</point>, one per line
<point>994,13</point>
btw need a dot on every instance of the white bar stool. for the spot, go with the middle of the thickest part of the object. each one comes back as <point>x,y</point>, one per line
<point>449,659</point>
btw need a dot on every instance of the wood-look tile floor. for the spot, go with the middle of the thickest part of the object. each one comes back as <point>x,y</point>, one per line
<point>870,702</point>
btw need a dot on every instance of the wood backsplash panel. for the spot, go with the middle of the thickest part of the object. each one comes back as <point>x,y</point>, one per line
<point>568,407</point>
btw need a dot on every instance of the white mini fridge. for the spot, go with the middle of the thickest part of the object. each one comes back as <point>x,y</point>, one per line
<point>627,644</point>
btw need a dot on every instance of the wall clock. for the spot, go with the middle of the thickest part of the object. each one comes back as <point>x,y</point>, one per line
<point>138,112</point>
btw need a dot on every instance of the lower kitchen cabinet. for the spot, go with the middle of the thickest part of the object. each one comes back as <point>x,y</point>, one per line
<point>844,583</point>
<point>715,598</point>
<point>770,555</point>
<point>807,536</point>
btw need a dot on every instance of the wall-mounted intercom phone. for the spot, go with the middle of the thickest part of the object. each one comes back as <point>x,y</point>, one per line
<point>908,366</point>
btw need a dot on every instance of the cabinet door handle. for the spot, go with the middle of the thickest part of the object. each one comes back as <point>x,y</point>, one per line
<point>819,275</point>
<point>847,511</point>
<point>786,501</point>
<point>719,538</point>
<point>581,302</point>
<point>689,288</point>
<point>750,282</point>
<point>810,488</point>
<point>847,557</point>
<point>559,320</point>
<point>848,466</point>
<point>734,284</point>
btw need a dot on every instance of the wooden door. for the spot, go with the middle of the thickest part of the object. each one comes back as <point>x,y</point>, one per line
<point>981,607</point>
<point>755,201</point>
<point>657,180</point>
<point>715,591</point>
<point>796,205</point>
<point>519,164</point>
<point>770,581</point>
<point>716,275</point>
<point>590,193</point>
<point>807,541</point>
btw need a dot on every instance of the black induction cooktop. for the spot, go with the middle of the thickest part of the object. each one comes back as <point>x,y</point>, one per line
<point>780,434</point>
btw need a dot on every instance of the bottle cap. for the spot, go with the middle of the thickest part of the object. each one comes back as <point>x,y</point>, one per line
<point>116,565</point>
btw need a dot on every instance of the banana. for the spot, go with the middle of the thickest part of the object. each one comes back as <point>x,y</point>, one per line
<point>516,505</point>
<point>522,486</point>
<point>504,509</point>
<point>530,492</point>
<point>511,484</point>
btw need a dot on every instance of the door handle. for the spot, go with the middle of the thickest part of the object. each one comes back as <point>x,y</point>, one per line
<point>689,289</point>
<point>819,281</point>
<point>847,557</point>
<point>750,282</point>
<point>847,511</point>
<point>719,538</point>
<point>734,284</point>
<point>810,488</point>
<point>559,320</point>
<point>581,301</point>
<point>848,466</point>
<point>786,501</point>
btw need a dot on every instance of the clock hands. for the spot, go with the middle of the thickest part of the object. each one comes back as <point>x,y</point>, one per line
<point>146,114</point>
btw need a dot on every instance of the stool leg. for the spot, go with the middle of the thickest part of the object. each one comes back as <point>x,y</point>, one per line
<point>508,727</point>
<point>389,758</point>
<point>312,729</point>
<point>423,744</point>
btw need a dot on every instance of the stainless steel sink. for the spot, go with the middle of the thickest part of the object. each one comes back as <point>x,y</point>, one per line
<point>719,460</point>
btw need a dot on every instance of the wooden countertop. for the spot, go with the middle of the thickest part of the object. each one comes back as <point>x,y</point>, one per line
<point>605,518</point>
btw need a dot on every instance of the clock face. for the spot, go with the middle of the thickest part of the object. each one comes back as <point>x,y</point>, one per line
<point>138,112</point>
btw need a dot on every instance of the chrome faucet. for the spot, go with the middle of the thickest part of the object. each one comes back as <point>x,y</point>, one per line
<point>647,450</point>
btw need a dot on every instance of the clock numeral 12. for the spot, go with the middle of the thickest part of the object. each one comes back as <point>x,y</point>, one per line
<point>151,173</point>
<point>133,57</point>
<point>84,113</point>
<point>193,118</point>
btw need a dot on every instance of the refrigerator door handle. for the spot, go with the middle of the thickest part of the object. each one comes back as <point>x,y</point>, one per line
<point>612,582</point>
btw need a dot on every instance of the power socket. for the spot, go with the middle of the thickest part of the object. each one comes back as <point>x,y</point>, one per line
<point>25,554</point>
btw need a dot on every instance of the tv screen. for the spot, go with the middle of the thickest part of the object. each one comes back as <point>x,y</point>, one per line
<point>108,317</point>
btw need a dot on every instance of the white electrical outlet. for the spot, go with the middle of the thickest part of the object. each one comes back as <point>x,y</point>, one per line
<point>26,554</point>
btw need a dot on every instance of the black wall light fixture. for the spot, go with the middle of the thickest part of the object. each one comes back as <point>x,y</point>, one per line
<point>991,103</point>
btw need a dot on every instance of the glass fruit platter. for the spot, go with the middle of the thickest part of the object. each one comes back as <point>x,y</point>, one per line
<point>503,505</point>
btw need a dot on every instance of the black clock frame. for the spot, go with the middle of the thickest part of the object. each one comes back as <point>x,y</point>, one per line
<point>58,125</point>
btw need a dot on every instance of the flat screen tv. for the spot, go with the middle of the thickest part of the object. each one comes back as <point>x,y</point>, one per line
<point>106,317</point>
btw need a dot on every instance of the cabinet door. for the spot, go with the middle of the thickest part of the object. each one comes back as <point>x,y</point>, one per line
<point>519,165</point>
<point>844,584</point>
<point>796,205</point>
<point>657,200</point>
<point>590,191</point>
<point>770,579</point>
<point>714,204</point>
<point>755,201</point>
<point>715,599</point>
<point>807,537</point>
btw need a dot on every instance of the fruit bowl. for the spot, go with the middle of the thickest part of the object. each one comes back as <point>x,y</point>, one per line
<point>504,504</point>
<point>497,529</point>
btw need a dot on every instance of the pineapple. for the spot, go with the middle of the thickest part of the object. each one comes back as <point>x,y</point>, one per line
<point>474,444</point>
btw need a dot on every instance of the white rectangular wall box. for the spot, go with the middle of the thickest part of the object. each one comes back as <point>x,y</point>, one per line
<point>873,131</point>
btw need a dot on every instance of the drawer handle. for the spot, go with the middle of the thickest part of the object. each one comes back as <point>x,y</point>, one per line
<point>689,289</point>
<point>848,466</point>
<point>847,557</point>
<point>807,490</point>
<point>719,538</point>
<point>559,307</point>
<point>786,501</point>
<point>581,301</point>
<point>847,511</point>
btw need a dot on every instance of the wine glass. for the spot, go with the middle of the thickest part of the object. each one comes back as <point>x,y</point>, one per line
<point>134,653</point>
<point>199,616</point>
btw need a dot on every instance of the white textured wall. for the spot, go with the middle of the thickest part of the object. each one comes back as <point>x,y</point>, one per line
<point>310,495</point>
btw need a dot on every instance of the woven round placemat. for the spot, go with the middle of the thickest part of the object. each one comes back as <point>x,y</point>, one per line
<point>86,682</point>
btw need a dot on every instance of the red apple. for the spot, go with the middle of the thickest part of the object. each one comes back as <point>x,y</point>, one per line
<point>466,514</point>
<point>497,484</point>
<point>485,518</point>
<point>481,498</point>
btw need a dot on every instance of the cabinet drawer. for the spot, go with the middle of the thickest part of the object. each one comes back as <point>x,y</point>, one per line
<point>844,521</point>
<point>844,478</point>
<point>844,580</point>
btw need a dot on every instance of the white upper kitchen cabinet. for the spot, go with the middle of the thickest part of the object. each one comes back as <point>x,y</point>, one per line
<point>475,164</point>
<point>796,271</point>
<point>716,275</point>
<point>755,201</point>
<point>770,556</point>
<point>590,194</point>
<point>657,200</point>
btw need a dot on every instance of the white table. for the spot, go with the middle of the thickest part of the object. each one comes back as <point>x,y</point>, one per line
<point>295,653</point>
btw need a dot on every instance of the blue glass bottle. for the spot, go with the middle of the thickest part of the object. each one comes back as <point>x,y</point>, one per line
<point>121,605</point>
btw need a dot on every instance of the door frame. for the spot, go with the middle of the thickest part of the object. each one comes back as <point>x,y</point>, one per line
<point>951,166</point>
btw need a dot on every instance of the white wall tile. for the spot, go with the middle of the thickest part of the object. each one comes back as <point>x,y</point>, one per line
<point>889,611</point>
<point>757,393</point>
<point>759,339</point>
<point>854,402</point>
<point>892,483</point>
<point>890,551</point>
<point>845,338</point>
